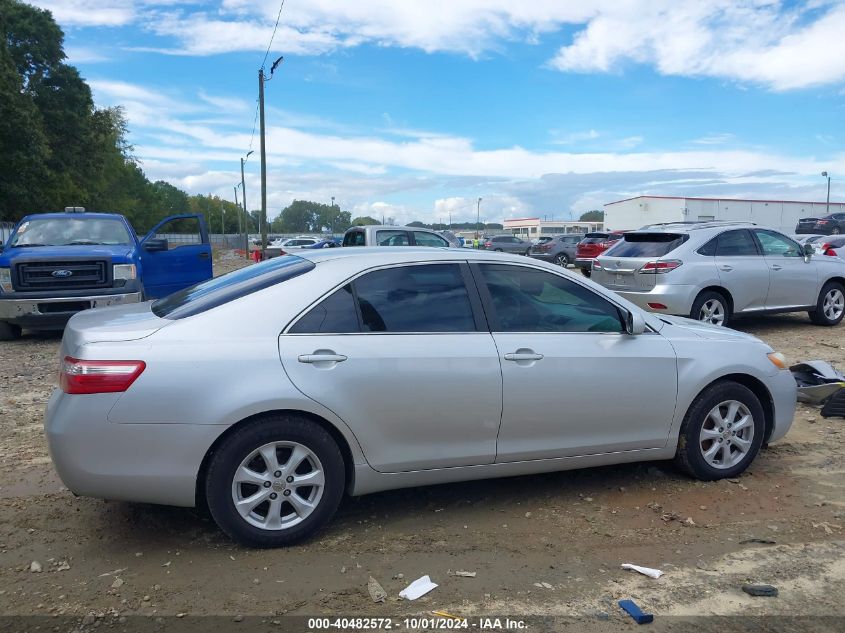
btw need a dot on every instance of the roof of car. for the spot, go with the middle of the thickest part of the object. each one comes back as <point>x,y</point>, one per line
<point>407,253</point>
<point>692,226</point>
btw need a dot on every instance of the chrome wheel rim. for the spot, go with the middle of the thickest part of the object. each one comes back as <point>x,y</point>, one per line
<point>834,304</point>
<point>726,435</point>
<point>278,485</point>
<point>561,260</point>
<point>712,312</point>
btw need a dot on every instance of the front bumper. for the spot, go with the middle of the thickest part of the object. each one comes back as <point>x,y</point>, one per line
<point>678,299</point>
<point>54,312</point>
<point>784,397</point>
<point>146,463</point>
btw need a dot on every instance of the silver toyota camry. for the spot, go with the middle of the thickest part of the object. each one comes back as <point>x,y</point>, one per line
<point>269,393</point>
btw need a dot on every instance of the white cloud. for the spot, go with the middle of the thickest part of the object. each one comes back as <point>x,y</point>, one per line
<point>720,138</point>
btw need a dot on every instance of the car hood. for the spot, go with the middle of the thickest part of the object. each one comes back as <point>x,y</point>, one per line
<point>115,323</point>
<point>706,330</point>
<point>121,252</point>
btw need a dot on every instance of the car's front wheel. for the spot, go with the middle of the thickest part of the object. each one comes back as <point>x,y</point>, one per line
<point>562,260</point>
<point>9,331</point>
<point>721,433</point>
<point>830,306</point>
<point>276,481</point>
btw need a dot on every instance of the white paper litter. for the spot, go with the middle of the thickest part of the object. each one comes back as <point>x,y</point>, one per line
<point>646,571</point>
<point>419,587</point>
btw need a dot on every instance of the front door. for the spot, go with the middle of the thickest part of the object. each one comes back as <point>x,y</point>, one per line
<point>174,255</point>
<point>793,280</point>
<point>402,356</point>
<point>573,382</point>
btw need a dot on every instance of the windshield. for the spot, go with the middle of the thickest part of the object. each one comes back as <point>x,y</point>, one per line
<point>64,231</point>
<point>647,244</point>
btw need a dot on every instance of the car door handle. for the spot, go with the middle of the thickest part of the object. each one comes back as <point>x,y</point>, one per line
<point>321,358</point>
<point>203,255</point>
<point>726,268</point>
<point>518,356</point>
<point>776,267</point>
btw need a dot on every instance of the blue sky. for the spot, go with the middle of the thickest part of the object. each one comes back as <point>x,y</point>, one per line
<point>413,109</point>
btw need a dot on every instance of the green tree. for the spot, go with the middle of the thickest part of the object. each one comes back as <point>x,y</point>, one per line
<point>592,216</point>
<point>305,216</point>
<point>364,220</point>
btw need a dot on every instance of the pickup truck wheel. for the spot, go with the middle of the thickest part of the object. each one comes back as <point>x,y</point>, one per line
<point>721,433</point>
<point>276,481</point>
<point>9,331</point>
<point>830,306</point>
<point>562,260</point>
<point>711,307</point>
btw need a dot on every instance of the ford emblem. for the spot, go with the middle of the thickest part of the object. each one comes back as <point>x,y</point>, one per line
<point>62,273</point>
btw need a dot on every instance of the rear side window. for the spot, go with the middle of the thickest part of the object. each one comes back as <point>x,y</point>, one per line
<point>215,292</point>
<point>738,243</point>
<point>430,298</point>
<point>647,244</point>
<point>392,238</point>
<point>336,314</point>
<point>354,238</point>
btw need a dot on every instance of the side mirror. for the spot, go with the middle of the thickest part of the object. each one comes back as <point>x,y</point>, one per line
<point>808,250</point>
<point>156,244</point>
<point>634,323</point>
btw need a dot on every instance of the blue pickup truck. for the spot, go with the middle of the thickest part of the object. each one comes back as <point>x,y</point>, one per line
<point>56,264</point>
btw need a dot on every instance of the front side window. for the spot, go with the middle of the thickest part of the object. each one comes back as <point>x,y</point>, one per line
<point>335,314</point>
<point>64,231</point>
<point>429,298</point>
<point>738,243</point>
<point>777,245</point>
<point>392,238</point>
<point>531,300</point>
<point>428,239</point>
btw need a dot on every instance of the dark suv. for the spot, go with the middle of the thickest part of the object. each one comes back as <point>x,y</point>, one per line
<point>506,244</point>
<point>833,224</point>
<point>559,250</point>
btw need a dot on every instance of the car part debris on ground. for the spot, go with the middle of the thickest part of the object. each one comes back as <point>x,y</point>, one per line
<point>763,591</point>
<point>819,383</point>
<point>640,617</point>
<point>376,591</point>
<point>645,571</point>
<point>418,588</point>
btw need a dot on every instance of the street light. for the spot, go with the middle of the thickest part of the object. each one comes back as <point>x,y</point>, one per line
<point>827,206</point>
<point>477,217</point>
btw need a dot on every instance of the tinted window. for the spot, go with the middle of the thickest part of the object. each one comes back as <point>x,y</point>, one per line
<point>354,238</point>
<point>777,245</point>
<point>392,238</point>
<point>335,314</point>
<point>594,238</point>
<point>735,244</point>
<point>431,298</point>
<point>530,300</point>
<point>428,239</point>
<point>214,292</point>
<point>647,244</point>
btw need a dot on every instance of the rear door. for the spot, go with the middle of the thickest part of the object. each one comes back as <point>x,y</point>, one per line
<point>184,260</point>
<point>622,263</point>
<point>742,270</point>
<point>403,356</point>
<point>793,280</point>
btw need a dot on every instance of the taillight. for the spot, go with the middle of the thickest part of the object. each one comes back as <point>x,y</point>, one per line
<point>822,222</point>
<point>488,244</point>
<point>98,376</point>
<point>827,249</point>
<point>661,266</point>
<point>596,265</point>
<point>544,247</point>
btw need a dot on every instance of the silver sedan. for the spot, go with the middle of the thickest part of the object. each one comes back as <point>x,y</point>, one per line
<point>269,393</point>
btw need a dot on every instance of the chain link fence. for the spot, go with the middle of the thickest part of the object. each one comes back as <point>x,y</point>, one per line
<point>5,231</point>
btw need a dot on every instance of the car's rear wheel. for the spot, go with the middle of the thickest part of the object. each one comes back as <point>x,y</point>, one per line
<point>9,331</point>
<point>276,481</point>
<point>721,433</point>
<point>830,306</point>
<point>711,307</point>
<point>497,250</point>
<point>836,231</point>
<point>586,272</point>
<point>562,260</point>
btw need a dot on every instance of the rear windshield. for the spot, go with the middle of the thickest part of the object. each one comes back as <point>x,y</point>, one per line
<point>595,238</point>
<point>647,244</point>
<point>214,292</point>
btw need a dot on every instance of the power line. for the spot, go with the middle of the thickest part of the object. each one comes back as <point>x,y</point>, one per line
<point>278,17</point>
<point>254,123</point>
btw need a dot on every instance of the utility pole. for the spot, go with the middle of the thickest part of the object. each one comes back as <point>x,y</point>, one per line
<point>246,213</point>
<point>263,220</point>
<point>827,206</point>
<point>477,217</point>
<point>331,226</point>
<point>222,220</point>
<point>238,205</point>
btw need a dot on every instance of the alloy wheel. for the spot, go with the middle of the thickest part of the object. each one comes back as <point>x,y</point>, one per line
<point>727,434</point>
<point>712,311</point>
<point>834,304</point>
<point>278,485</point>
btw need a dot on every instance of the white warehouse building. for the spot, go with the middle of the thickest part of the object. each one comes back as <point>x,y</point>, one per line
<point>783,215</point>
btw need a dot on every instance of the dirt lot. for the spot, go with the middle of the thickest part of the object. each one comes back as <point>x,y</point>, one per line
<point>568,530</point>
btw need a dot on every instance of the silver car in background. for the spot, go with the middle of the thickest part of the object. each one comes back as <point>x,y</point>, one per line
<point>269,393</point>
<point>715,271</point>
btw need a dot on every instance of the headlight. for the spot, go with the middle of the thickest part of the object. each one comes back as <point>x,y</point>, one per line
<point>123,271</point>
<point>778,360</point>
<point>6,280</point>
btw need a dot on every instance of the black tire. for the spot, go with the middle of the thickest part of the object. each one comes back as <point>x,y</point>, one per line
<point>836,231</point>
<point>689,456</point>
<point>9,331</point>
<point>497,250</point>
<point>562,260</point>
<point>818,316</point>
<point>586,272</point>
<point>712,298</point>
<point>227,459</point>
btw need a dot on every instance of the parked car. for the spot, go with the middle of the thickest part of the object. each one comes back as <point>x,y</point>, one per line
<point>591,246</point>
<point>716,271</point>
<point>328,242</point>
<point>268,393</point>
<point>56,264</point>
<point>824,244</point>
<point>541,240</point>
<point>506,244</point>
<point>381,235</point>
<point>832,224</point>
<point>293,242</point>
<point>559,250</point>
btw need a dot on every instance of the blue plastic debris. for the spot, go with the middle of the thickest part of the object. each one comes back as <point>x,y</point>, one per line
<point>635,612</point>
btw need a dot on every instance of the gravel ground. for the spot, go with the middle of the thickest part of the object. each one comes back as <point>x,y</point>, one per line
<point>541,545</point>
